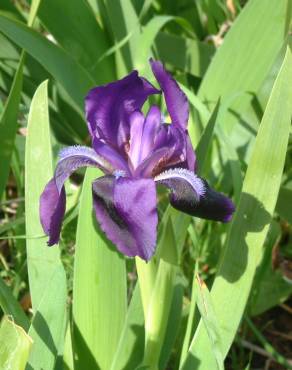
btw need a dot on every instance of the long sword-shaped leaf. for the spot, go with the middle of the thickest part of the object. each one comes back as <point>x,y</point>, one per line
<point>124,21</point>
<point>75,80</point>
<point>82,37</point>
<point>206,308</point>
<point>8,119</point>
<point>48,324</point>
<point>45,270</point>
<point>190,55</point>
<point>249,228</point>
<point>246,63</point>
<point>99,306</point>
<point>8,126</point>
<point>131,344</point>
<point>15,346</point>
<point>11,307</point>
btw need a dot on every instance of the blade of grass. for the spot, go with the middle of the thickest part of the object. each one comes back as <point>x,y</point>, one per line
<point>205,305</point>
<point>124,21</point>
<point>8,125</point>
<point>248,231</point>
<point>159,305</point>
<point>99,305</point>
<point>15,345</point>
<point>206,139</point>
<point>190,322</point>
<point>48,324</point>
<point>75,80</point>
<point>191,56</point>
<point>280,359</point>
<point>246,63</point>
<point>44,264</point>
<point>11,307</point>
<point>82,37</point>
<point>129,351</point>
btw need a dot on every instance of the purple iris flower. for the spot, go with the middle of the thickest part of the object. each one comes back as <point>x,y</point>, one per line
<point>136,153</point>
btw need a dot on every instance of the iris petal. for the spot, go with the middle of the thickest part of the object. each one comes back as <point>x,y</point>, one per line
<point>111,155</point>
<point>136,129</point>
<point>151,126</point>
<point>52,201</point>
<point>175,99</point>
<point>52,210</point>
<point>108,108</point>
<point>192,195</point>
<point>122,206</point>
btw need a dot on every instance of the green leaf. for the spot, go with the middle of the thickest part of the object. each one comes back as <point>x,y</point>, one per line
<point>206,139</point>
<point>283,206</point>
<point>11,307</point>
<point>8,126</point>
<point>124,21</point>
<point>48,323</point>
<point>75,80</point>
<point>206,308</point>
<point>47,278</point>
<point>8,119</point>
<point>248,231</point>
<point>173,323</point>
<point>159,305</point>
<point>130,349</point>
<point>146,39</point>
<point>100,301</point>
<point>82,37</point>
<point>246,63</point>
<point>269,288</point>
<point>280,359</point>
<point>15,346</point>
<point>191,56</point>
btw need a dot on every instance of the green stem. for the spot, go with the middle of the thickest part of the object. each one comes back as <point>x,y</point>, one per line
<point>190,323</point>
<point>146,276</point>
<point>157,315</point>
<point>156,281</point>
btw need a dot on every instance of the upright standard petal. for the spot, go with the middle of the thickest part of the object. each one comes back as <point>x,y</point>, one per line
<point>108,107</point>
<point>126,210</point>
<point>192,195</point>
<point>169,151</point>
<point>53,200</point>
<point>151,127</point>
<point>175,99</point>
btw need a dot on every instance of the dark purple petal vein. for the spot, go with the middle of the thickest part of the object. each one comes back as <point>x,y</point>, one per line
<point>126,211</point>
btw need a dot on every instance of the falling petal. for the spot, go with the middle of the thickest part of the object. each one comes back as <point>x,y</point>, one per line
<point>126,211</point>
<point>192,195</point>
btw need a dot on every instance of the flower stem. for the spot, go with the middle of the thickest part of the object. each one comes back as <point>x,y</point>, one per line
<point>156,280</point>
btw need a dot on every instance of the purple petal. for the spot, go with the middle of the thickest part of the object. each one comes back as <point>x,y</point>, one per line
<point>151,126</point>
<point>52,210</point>
<point>176,101</point>
<point>126,211</point>
<point>169,151</point>
<point>192,195</point>
<point>74,157</point>
<point>110,155</point>
<point>53,200</point>
<point>190,162</point>
<point>136,127</point>
<point>108,108</point>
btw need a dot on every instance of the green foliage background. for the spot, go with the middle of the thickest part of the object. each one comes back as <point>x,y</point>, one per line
<point>81,303</point>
